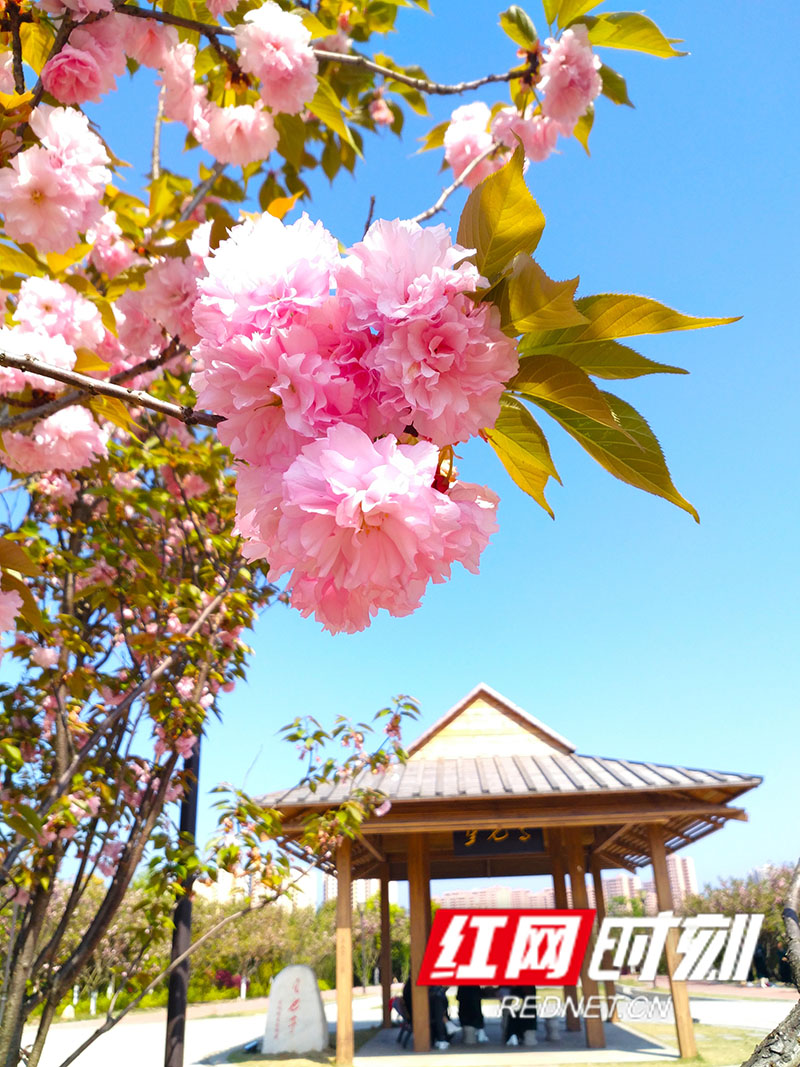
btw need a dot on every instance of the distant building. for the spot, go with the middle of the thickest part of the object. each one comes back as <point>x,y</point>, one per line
<point>303,893</point>
<point>363,889</point>
<point>682,882</point>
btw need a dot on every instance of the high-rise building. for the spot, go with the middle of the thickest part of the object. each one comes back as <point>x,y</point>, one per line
<point>363,889</point>
<point>682,882</point>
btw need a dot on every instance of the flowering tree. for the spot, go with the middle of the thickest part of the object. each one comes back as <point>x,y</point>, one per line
<point>205,408</point>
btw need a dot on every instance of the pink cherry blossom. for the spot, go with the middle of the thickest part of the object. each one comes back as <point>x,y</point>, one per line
<point>78,8</point>
<point>570,78</point>
<point>66,440</point>
<point>445,375</point>
<point>57,487</point>
<point>238,135</point>
<point>37,207</point>
<point>44,657</point>
<point>401,270</point>
<point>73,76</point>
<point>111,252</point>
<point>221,7</point>
<point>380,112</point>
<point>184,101</point>
<point>276,47</point>
<point>7,73</point>
<point>170,294</point>
<point>362,528</point>
<point>466,138</point>
<point>147,41</point>
<point>59,311</point>
<point>537,135</point>
<point>10,604</point>
<point>262,275</point>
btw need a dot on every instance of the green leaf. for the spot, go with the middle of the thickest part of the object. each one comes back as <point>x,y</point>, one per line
<point>522,448</point>
<point>517,25</point>
<point>533,301</point>
<point>569,10</point>
<point>614,86</point>
<point>328,109</point>
<point>501,219</point>
<point>434,138</point>
<point>629,30</point>
<point>550,10</point>
<point>556,380</point>
<point>291,138</point>
<point>613,315</point>
<point>631,452</point>
<point>25,821</point>
<point>17,262</point>
<point>29,610</point>
<point>583,127</point>
<point>607,359</point>
<point>10,754</point>
<point>13,557</point>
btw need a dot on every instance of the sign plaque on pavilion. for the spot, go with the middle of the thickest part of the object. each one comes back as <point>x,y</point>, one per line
<point>491,791</point>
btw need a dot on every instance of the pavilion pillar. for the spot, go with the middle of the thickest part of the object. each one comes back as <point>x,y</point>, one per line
<point>419,919</point>
<point>576,864</point>
<point>560,894</point>
<point>600,908</point>
<point>386,947</point>
<point>344,953</point>
<point>680,994</point>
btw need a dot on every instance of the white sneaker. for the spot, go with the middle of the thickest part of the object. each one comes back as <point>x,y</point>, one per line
<point>481,1037</point>
<point>441,1045</point>
<point>513,1040</point>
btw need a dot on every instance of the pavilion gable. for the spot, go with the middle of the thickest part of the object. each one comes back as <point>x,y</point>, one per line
<point>485,723</point>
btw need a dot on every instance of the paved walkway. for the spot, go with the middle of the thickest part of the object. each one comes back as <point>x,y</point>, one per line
<point>623,1045</point>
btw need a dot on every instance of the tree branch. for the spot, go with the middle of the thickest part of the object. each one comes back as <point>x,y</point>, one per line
<point>448,192</point>
<point>97,387</point>
<point>792,925</point>
<point>41,411</point>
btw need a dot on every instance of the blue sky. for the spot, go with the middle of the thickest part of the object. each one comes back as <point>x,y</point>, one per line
<point>622,624</point>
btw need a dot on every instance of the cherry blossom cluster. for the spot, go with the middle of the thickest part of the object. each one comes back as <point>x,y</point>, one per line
<point>568,82</point>
<point>344,381</point>
<point>274,47</point>
<point>51,192</point>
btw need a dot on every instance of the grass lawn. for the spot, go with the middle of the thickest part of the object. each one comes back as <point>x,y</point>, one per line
<point>716,1045</point>
<point>313,1059</point>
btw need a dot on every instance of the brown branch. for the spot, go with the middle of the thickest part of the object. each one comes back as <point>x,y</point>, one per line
<point>370,213</point>
<point>155,158</point>
<point>203,189</point>
<point>41,411</point>
<point>97,387</point>
<point>16,46</point>
<point>448,192</point>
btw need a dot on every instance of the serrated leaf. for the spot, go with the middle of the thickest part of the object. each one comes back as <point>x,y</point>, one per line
<point>631,452</point>
<point>522,448</point>
<point>533,301</point>
<point>614,86</point>
<point>434,138</point>
<point>517,25</point>
<point>614,315</point>
<point>631,31</point>
<point>556,380</point>
<point>37,41</point>
<point>607,359</point>
<point>17,262</point>
<point>583,127</point>
<point>328,109</point>
<point>569,10</point>
<point>13,557</point>
<point>501,219</point>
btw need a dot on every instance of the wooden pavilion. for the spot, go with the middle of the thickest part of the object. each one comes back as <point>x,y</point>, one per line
<point>489,766</point>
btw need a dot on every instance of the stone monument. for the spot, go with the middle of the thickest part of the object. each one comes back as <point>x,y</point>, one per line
<point>295,1017</point>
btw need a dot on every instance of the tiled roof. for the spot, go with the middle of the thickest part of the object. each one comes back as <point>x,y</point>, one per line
<point>519,775</point>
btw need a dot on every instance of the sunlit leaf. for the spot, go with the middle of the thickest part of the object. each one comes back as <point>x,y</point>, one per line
<point>522,448</point>
<point>13,557</point>
<point>583,127</point>
<point>629,30</point>
<point>614,86</point>
<point>328,109</point>
<point>501,218</point>
<point>517,25</point>
<point>434,138</point>
<point>556,380</point>
<point>631,452</point>
<point>533,301</point>
<point>569,10</point>
<point>37,41</point>
<point>608,359</point>
<point>282,205</point>
<point>17,262</point>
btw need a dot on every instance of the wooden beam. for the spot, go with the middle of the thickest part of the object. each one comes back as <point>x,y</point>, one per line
<point>600,908</point>
<point>680,994</point>
<point>386,947</point>
<point>545,811</point>
<point>376,852</point>
<point>344,954</point>
<point>576,865</point>
<point>614,862</point>
<point>418,931</point>
<point>555,846</point>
